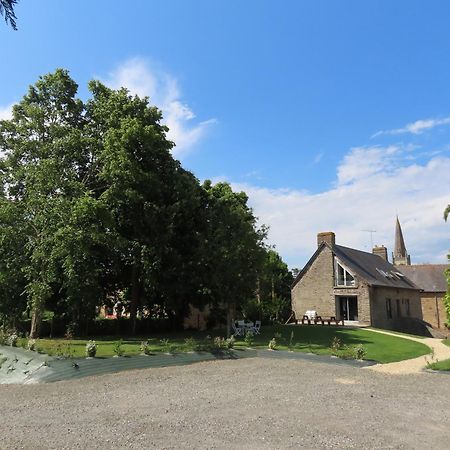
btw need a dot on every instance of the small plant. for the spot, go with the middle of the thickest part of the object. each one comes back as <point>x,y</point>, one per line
<point>248,339</point>
<point>118,350</point>
<point>145,348</point>
<point>167,347</point>
<point>359,351</point>
<point>70,331</point>
<point>32,344</point>
<point>291,342</point>
<point>91,349</point>
<point>3,338</point>
<point>273,344</point>
<point>190,344</point>
<point>62,350</point>
<point>336,345</point>
<point>219,343</point>
<point>12,339</point>
<point>230,342</point>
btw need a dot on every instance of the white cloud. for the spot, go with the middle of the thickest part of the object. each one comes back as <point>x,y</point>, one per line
<point>387,184</point>
<point>6,112</point>
<point>417,127</point>
<point>139,78</point>
<point>318,158</point>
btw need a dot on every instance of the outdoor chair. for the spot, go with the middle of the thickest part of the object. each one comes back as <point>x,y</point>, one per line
<point>237,330</point>
<point>257,327</point>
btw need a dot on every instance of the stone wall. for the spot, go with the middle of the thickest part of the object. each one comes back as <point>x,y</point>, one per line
<point>316,290</point>
<point>399,309</point>
<point>433,309</point>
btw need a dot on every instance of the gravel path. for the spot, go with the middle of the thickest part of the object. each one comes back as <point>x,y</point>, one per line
<point>251,403</point>
<point>415,365</point>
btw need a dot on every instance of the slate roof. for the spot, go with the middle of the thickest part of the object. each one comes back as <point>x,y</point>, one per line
<point>429,277</point>
<point>374,269</point>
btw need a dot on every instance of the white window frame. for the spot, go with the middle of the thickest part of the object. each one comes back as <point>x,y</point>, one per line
<point>347,283</point>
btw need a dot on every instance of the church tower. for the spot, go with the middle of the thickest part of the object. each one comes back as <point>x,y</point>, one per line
<point>400,256</point>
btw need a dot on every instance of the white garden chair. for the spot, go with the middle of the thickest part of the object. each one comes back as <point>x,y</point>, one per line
<point>257,327</point>
<point>237,330</point>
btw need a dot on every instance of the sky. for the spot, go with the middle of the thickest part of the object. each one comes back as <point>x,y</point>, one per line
<point>331,116</point>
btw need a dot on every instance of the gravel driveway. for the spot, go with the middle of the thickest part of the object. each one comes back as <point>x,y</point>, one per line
<point>251,403</point>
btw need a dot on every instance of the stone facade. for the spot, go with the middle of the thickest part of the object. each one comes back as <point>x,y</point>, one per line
<point>316,290</point>
<point>378,302</point>
<point>433,309</point>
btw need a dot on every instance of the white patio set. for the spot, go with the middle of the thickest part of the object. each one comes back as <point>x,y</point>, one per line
<point>240,327</point>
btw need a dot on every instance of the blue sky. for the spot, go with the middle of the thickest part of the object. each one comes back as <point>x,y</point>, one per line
<point>330,115</point>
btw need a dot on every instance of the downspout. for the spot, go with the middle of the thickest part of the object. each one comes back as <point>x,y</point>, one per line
<point>437,311</point>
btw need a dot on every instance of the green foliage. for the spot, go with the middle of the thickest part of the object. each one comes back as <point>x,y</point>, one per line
<point>336,345</point>
<point>118,349</point>
<point>91,349</point>
<point>145,348</point>
<point>93,208</point>
<point>249,338</point>
<point>272,344</point>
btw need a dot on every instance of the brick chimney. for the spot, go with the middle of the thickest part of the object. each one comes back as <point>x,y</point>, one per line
<point>326,236</point>
<point>381,251</point>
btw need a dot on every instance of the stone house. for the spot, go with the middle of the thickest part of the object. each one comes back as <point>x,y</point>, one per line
<point>429,278</point>
<point>356,286</point>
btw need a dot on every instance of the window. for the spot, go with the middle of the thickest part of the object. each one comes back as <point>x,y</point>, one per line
<point>408,311</point>
<point>399,309</point>
<point>388,308</point>
<point>343,276</point>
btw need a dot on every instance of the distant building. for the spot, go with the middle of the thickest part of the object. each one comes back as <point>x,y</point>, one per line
<point>430,278</point>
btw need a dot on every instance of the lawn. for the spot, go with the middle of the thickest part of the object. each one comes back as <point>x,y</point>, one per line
<point>445,363</point>
<point>311,339</point>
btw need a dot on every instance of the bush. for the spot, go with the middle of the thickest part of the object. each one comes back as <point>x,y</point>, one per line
<point>336,346</point>
<point>12,339</point>
<point>359,351</point>
<point>145,348</point>
<point>273,344</point>
<point>230,342</point>
<point>91,349</point>
<point>118,350</point>
<point>32,345</point>
<point>248,339</point>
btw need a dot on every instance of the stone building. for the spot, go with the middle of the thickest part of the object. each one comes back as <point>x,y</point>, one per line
<point>356,286</point>
<point>430,278</point>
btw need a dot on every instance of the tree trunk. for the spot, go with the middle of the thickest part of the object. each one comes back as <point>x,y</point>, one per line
<point>135,297</point>
<point>35,323</point>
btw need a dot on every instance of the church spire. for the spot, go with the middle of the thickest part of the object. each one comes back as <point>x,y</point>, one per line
<point>400,256</point>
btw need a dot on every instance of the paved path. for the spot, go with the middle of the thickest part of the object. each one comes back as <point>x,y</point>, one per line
<point>415,365</point>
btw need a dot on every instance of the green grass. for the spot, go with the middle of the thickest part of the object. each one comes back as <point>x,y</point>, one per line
<point>315,339</point>
<point>445,363</point>
<point>440,365</point>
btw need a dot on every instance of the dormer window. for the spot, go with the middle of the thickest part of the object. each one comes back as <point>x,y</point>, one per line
<point>343,276</point>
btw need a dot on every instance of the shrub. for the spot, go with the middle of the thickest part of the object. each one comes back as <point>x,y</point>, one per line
<point>249,338</point>
<point>32,344</point>
<point>273,344</point>
<point>291,342</point>
<point>12,339</point>
<point>190,344</point>
<point>359,351</point>
<point>91,349</point>
<point>230,342</point>
<point>118,350</point>
<point>145,348</point>
<point>3,338</point>
<point>336,345</point>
